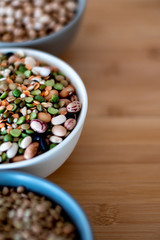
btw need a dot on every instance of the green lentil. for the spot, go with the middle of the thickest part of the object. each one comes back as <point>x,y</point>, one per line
<point>14,107</point>
<point>39,107</point>
<point>17,101</point>
<point>16,92</point>
<point>10,120</point>
<point>4,132</point>
<point>40,99</point>
<point>8,138</point>
<point>24,135</point>
<point>6,114</point>
<point>19,141</point>
<point>4,157</point>
<point>17,110</point>
<point>21,120</point>
<point>2,108</point>
<point>33,115</point>
<point>52,110</point>
<point>56,105</point>
<point>25,126</point>
<point>35,92</point>
<point>20,151</point>
<point>54,98</point>
<point>29,99</point>
<point>15,132</point>
<point>29,131</point>
<point>52,145</point>
<point>27,73</point>
<point>4,95</point>
<point>22,68</point>
<point>22,104</point>
<point>30,105</point>
<point>58,86</point>
<point>50,83</point>
<point>42,87</point>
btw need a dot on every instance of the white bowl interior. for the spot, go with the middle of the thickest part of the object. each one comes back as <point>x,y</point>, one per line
<point>82,94</point>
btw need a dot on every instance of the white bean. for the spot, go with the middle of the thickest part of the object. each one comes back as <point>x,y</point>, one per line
<point>59,131</point>
<point>12,151</point>
<point>26,142</point>
<point>55,139</point>
<point>58,120</point>
<point>5,146</point>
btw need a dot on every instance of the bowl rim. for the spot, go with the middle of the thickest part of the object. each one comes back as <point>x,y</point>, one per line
<point>81,119</point>
<point>81,8</point>
<point>54,193</point>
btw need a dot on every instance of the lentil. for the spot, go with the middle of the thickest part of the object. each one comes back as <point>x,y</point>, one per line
<point>27,215</point>
<point>37,110</point>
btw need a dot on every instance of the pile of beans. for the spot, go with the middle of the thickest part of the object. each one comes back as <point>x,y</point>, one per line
<point>28,216</point>
<point>22,20</point>
<point>38,107</point>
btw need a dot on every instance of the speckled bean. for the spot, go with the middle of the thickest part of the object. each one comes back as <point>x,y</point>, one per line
<point>38,125</point>
<point>74,107</point>
<point>70,124</point>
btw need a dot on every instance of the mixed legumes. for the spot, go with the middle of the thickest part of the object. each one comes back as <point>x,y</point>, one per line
<point>26,215</point>
<point>38,107</point>
<point>22,20</point>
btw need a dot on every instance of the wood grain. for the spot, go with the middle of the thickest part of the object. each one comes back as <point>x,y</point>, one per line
<point>114,171</point>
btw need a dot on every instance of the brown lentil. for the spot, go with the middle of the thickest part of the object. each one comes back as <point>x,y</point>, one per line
<point>27,215</point>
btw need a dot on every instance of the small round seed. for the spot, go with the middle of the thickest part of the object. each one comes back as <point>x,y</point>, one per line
<point>70,124</point>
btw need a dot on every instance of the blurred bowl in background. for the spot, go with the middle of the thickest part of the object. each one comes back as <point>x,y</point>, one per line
<point>57,42</point>
<point>53,193</point>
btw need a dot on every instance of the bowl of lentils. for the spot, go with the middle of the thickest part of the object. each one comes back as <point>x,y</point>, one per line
<point>49,25</point>
<point>33,208</point>
<point>43,105</point>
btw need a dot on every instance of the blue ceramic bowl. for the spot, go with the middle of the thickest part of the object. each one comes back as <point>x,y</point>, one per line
<point>53,192</point>
<point>57,42</point>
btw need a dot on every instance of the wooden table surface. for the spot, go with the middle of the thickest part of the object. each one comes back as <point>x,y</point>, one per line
<point>114,171</point>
